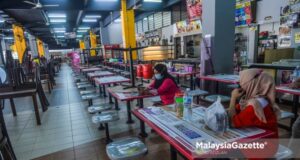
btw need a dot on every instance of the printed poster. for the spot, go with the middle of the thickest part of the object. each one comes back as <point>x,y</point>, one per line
<point>284,38</point>
<point>194,9</point>
<point>243,15</point>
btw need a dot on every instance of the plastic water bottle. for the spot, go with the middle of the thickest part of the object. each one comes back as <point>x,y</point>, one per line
<point>296,73</point>
<point>187,103</point>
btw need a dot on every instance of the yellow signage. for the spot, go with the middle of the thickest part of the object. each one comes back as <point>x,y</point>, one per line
<point>81,45</point>
<point>297,37</point>
<point>40,47</point>
<point>20,42</point>
<point>93,39</point>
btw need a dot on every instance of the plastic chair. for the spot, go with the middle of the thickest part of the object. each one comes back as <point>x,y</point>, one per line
<point>126,149</point>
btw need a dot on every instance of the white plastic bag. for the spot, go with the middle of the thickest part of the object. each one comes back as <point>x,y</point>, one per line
<point>216,117</point>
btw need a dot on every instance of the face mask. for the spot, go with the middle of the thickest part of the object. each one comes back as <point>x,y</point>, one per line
<point>158,76</point>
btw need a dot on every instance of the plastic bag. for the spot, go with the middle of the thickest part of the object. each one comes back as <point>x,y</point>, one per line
<point>216,117</point>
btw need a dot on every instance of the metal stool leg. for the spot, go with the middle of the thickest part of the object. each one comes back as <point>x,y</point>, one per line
<point>108,140</point>
<point>101,127</point>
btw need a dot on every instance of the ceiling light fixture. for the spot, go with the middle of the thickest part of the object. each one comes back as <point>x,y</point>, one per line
<point>59,29</point>
<point>60,36</point>
<point>57,15</point>
<point>2,21</point>
<point>106,0</point>
<point>81,31</point>
<point>58,20</point>
<point>93,16</point>
<point>8,38</point>
<point>89,20</point>
<point>153,1</point>
<point>84,28</point>
<point>117,20</point>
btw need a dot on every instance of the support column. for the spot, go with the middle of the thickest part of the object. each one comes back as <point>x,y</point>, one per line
<point>128,29</point>
<point>219,22</point>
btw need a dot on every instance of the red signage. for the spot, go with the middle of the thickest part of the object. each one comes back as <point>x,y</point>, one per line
<point>194,9</point>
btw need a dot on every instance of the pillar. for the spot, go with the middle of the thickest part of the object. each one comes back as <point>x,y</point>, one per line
<point>128,29</point>
<point>219,22</point>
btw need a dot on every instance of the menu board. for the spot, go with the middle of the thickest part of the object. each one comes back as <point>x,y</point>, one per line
<point>185,26</point>
<point>243,13</point>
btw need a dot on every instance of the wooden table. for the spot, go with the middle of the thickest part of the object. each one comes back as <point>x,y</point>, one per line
<point>184,74</point>
<point>128,95</point>
<point>24,93</point>
<point>183,135</point>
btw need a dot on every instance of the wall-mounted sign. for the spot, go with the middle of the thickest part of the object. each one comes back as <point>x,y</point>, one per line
<point>243,13</point>
<point>297,37</point>
<point>184,26</point>
<point>194,9</point>
<point>154,33</point>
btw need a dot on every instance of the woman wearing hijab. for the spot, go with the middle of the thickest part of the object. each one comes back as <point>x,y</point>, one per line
<point>164,83</point>
<point>256,107</point>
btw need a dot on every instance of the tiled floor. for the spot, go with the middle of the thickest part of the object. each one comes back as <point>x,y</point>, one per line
<point>67,131</point>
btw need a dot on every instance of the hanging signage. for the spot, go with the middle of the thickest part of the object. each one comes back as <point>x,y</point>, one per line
<point>194,9</point>
<point>192,26</point>
<point>93,39</point>
<point>40,47</point>
<point>243,13</point>
<point>20,42</point>
<point>81,45</point>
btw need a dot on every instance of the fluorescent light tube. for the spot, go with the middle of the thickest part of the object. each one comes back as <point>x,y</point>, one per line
<point>58,20</point>
<point>81,31</point>
<point>89,20</point>
<point>84,28</point>
<point>57,15</point>
<point>93,16</point>
<point>154,1</point>
<point>117,20</point>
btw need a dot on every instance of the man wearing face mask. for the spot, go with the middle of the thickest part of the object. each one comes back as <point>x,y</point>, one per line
<point>165,84</point>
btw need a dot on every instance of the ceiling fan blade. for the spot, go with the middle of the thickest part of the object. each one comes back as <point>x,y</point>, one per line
<point>28,2</point>
<point>51,5</point>
<point>34,7</point>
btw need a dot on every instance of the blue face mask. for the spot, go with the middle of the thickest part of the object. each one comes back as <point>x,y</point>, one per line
<point>158,76</point>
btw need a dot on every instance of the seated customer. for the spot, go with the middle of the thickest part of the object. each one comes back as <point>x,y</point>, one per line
<point>256,107</point>
<point>165,84</point>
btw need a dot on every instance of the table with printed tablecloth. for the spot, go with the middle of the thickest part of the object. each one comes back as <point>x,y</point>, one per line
<point>183,135</point>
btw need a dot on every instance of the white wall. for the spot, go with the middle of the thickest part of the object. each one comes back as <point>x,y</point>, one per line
<point>114,31</point>
<point>167,32</point>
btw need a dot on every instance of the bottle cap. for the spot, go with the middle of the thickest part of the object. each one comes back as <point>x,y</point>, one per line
<point>179,100</point>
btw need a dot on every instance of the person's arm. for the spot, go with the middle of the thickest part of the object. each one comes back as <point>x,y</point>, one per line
<point>165,86</point>
<point>236,93</point>
<point>151,86</point>
<point>246,118</point>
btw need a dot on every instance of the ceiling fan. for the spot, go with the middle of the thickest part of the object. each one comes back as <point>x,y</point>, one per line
<point>39,5</point>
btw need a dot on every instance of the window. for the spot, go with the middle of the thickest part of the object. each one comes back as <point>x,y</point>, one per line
<point>166,18</point>
<point>145,25</point>
<point>158,20</point>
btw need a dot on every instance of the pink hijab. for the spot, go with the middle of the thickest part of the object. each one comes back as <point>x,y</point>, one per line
<point>258,84</point>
